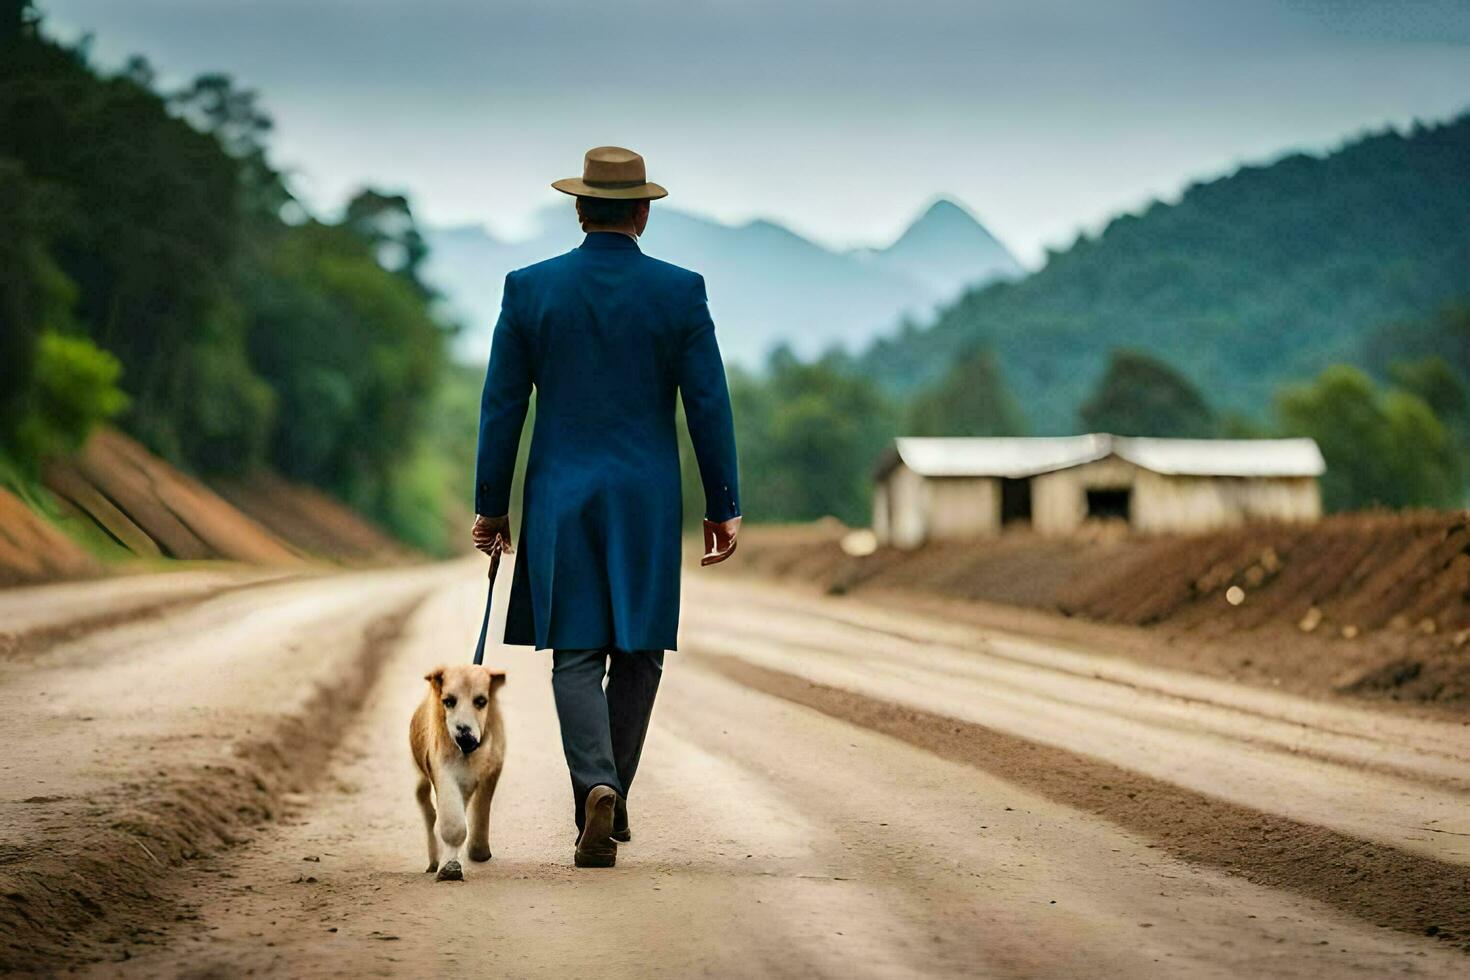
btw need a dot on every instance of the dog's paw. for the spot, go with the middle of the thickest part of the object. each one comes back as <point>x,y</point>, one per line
<point>479,852</point>
<point>433,866</point>
<point>451,872</point>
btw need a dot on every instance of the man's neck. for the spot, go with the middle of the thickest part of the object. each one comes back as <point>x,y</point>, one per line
<point>628,230</point>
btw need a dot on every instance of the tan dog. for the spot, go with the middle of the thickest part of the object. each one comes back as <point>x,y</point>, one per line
<point>458,743</point>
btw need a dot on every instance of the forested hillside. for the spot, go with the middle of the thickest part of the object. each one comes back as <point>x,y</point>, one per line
<point>1264,276</point>
<point>155,269</point>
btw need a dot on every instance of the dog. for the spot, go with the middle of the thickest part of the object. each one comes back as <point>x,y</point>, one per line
<point>458,743</point>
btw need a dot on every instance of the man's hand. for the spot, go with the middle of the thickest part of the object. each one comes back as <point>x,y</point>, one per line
<point>719,540</point>
<point>492,536</point>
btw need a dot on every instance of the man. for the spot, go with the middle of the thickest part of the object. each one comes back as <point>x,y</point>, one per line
<point>608,337</point>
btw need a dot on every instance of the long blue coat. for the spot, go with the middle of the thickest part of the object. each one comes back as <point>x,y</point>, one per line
<point>607,336</point>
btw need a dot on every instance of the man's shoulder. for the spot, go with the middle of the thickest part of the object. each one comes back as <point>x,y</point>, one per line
<point>675,274</point>
<point>665,274</point>
<point>545,267</point>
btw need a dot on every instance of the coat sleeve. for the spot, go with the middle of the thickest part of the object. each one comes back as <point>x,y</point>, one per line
<point>707,410</point>
<point>502,409</point>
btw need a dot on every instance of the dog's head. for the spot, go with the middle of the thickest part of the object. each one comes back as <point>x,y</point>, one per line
<point>464,693</point>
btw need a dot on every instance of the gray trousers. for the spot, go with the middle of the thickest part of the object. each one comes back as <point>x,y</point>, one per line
<point>602,731</point>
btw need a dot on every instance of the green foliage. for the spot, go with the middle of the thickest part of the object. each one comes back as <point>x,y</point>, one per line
<point>1382,448</point>
<point>385,222</point>
<point>74,389</point>
<point>54,386</point>
<point>970,400</point>
<point>16,19</point>
<point>1436,382</point>
<point>33,292</point>
<point>1140,395</point>
<point>353,355</point>
<point>1250,281</point>
<point>155,227</point>
<point>809,435</point>
<point>144,218</point>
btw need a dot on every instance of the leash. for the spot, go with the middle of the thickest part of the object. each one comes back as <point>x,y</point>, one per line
<point>485,622</point>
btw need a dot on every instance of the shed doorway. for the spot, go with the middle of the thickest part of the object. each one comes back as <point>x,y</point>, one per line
<point>1015,501</point>
<point>1109,504</point>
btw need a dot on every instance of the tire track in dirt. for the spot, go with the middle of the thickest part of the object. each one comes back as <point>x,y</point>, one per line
<point>34,642</point>
<point>95,883</point>
<point>1380,884</point>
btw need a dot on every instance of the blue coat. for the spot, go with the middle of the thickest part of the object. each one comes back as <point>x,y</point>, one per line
<point>607,336</point>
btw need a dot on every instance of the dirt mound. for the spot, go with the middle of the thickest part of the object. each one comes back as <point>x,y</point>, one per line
<point>1349,573</point>
<point>94,882</point>
<point>32,550</point>
<point>151,508</point>
<point>1375,604</point>
<point>311,520</point>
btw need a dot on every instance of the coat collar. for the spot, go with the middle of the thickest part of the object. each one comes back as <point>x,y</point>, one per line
<point>609,239</point>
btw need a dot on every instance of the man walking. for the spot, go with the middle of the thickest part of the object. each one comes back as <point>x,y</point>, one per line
<point>608,337</point>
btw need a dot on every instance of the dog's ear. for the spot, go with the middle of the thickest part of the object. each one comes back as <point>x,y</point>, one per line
<point>497,678</point>
<point>436,677</point>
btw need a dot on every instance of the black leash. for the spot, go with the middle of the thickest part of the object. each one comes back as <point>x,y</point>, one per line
<point>485,623</point>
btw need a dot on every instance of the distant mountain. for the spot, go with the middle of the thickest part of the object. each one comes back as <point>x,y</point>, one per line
<point>767,284</point>
<point>946,250</point>
<point>1262,277</point>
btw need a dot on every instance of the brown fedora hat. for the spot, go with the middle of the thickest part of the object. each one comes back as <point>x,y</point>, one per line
<point>612,172</point>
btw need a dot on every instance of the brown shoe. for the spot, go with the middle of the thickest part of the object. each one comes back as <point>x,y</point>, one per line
<point>621,831</point>
<point>596,847</point>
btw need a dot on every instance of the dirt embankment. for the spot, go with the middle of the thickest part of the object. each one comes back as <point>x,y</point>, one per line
<point>1375,605</point>
<point>154,510</point>
<point>32,549</point>
<point>134,504</point>
<point>312,521</point>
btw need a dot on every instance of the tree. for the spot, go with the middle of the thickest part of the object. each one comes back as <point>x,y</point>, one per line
<point>75,390</point>
<point>970,400</point>
<point>809,434</point>
<point>213,104</point>
<point>1382,448</point>
<point>386,222</point>
<point>353,354</point>
<point>1434,381</point>
<point>145,240</point>
<point>23,293</point>
<point>55,386</point>
<point>145,221</point>
<point>17,20</point>
<point>1142,396</point>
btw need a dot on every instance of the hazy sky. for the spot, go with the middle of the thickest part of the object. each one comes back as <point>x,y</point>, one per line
<point>839,119</point>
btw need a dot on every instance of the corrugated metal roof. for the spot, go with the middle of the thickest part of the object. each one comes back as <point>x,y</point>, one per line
<point>1013,457</point>
<point>1224,457</point>
<point>1023,456</point>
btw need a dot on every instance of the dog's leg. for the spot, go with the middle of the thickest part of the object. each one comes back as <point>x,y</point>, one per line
<point>426,803</point>
<point>480,818</point>
<point>452,829</point>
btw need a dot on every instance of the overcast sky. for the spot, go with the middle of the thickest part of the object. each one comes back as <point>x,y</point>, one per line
<point>839,119</point>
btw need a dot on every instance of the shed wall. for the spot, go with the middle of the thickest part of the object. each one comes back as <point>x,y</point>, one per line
<point>907,507</point>
<point>1059,499</point>
<point>963,507</point>
<point>1164,503</point>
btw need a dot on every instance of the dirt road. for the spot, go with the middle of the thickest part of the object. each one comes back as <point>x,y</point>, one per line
<point>830,788</point>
